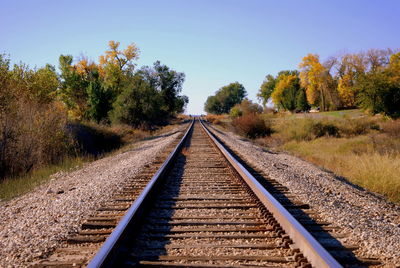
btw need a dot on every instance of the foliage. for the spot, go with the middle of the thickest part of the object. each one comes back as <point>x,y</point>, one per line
<point>380,89</point>
<point>169,83</point>
<point>252,126</point>
<point>225,98</point>
<point>116,64</point>
<point>301,101</point>
<point>150,97</point>
<point>266,89</point>
<point>138,104</point>
<point>285,92</point>
<point>244,108</point>
<point>318,82</point>
<point>32,121</point>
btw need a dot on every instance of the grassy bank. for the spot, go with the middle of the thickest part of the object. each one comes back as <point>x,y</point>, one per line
<point>361,148</point>
<point>93,141</point>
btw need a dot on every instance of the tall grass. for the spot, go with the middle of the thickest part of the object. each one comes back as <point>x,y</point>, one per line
<point>375,167</point>
<point>12,187</point>
<point>363,149</point>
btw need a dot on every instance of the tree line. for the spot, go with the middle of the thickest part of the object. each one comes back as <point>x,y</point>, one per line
<point>368,80</point>
<point>112,91</point>
<point>37,105</point>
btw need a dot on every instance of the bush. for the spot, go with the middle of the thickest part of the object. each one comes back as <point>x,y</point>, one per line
<point>320,129</point>
<point>252,126</point>
<point>31,135</point>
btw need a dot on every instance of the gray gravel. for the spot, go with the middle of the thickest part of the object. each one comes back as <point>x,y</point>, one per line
<point>371,222</point>
<point>37,222</point>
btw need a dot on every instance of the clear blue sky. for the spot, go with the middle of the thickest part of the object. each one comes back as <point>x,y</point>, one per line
<point>213,42</point>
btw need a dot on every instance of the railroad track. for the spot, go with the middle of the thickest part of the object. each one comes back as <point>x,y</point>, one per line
<point>202,208</point>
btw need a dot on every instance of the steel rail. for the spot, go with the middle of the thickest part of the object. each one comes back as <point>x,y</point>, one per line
<point>107,252</point>
<point>307,244</point>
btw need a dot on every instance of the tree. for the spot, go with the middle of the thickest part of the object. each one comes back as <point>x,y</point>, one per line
<point>151,96</point>
<point>380,89</point>
<point>139,104</point>
<point>100,100</point>
<point>169,83</point>
<point>318,82</point>
<point>73,89</point>
<point>266,89</point>
<point>225,98</point>
<point>116,63</point>
<point>301,101</point>
<point>284,94</point>
<point>350,68</point>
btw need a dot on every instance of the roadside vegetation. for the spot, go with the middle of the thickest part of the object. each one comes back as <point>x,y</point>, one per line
<point>50,118</point>
<point>341,114</point>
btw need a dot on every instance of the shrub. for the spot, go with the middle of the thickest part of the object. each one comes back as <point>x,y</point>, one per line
<point>320,129</point>
<point>31,135</point>
<point>252,126</point>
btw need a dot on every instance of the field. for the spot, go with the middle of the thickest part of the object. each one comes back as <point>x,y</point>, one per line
<point>363,149</point>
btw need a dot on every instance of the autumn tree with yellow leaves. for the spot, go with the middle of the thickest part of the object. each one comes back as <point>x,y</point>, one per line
<point>320,86</point>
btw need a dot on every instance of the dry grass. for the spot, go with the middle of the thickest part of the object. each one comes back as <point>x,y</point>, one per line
<point>217,119</point>
<point>373,166</point>
<point>363,149</point>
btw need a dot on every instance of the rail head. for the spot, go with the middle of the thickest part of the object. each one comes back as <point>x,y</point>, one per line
<point>105,253</point>
<point>307,244</point>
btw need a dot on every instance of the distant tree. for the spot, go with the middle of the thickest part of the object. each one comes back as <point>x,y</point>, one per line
<point>284,94</point>
<point>139,104</point>
<point>100,100</point>
<point>169,83</point>
<point>301,101</point>
<point>150,97</point>
<point>73,89</point>
<point>116,64</point>
<point>266,89</point>
<point>225,98</point>
<point>318,82</point>
<point>380,89</point>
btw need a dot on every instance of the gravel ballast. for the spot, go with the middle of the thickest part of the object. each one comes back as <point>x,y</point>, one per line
<point>369,220</point>
<point>37,222</point>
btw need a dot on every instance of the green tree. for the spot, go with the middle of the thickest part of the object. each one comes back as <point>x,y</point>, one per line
<point>225,98</point>
<point>380,89</point>
<point>284,94</point>
<point>301,101</point>
<point>73,89</point>
<point>169,83</point>
<point>100,100</point>
<point>266,89</point>
<point>139,104</point>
